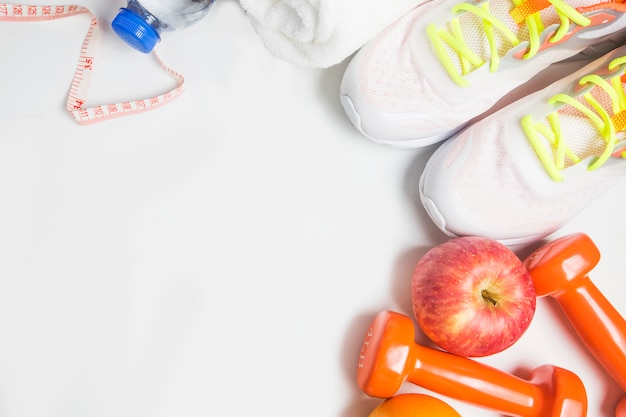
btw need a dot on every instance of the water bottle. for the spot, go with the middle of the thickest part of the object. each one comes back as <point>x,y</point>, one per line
<point>140,24</point>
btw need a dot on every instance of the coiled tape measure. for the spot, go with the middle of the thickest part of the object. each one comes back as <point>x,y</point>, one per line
<point>77,96</point>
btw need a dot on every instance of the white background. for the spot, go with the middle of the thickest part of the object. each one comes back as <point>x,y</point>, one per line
<point>224,254</point>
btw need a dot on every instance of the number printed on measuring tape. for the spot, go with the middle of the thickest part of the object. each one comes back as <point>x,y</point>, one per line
<point>76,99</point>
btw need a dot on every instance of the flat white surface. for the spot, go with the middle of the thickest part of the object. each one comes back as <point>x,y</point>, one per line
<point>225,254</point>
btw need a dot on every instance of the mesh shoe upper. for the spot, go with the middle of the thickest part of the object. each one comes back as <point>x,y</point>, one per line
<point>524,171</point>
<point>446,62</point>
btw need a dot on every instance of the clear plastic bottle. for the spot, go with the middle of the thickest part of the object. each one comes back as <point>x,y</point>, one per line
<point>140,23</point>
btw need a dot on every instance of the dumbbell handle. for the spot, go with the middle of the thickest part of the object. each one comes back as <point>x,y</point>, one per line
<point>472,382</point>
<point>599,325</point>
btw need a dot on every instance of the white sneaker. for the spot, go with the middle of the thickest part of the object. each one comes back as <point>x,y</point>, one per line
<point>524,171</point>
<point>447,62</point>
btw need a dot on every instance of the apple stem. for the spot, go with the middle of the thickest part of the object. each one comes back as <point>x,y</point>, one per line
<point>487,297</point>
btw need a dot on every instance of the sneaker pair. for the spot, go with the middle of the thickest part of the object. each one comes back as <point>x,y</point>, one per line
<point>519,173</point>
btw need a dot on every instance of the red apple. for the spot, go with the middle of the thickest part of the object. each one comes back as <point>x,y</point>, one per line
<point>472,296</point>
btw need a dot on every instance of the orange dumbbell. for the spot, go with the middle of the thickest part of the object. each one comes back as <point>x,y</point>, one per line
<point>390,356</point>
<point>559,269</point>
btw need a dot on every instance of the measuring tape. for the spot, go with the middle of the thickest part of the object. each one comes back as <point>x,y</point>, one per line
<point>77,97</point>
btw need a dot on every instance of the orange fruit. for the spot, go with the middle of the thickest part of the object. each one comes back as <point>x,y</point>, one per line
<point>414,405</point>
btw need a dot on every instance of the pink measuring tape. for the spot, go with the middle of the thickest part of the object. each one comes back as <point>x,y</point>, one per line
<point>76,100</point>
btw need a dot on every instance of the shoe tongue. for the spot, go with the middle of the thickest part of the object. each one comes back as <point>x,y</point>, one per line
<point>619,121</point>
<point>581,135</point>
<point>527,8</point>
<point>576,131</point>
<point>473,26</point>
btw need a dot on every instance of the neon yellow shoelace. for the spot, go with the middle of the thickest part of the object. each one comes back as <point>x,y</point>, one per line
<point>607,124</point>
<point>525,12</point>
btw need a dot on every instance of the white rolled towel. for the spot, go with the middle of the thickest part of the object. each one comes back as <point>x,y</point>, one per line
<point>321,33</point>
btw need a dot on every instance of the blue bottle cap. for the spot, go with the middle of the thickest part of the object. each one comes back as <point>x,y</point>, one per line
<point>135,31</point>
